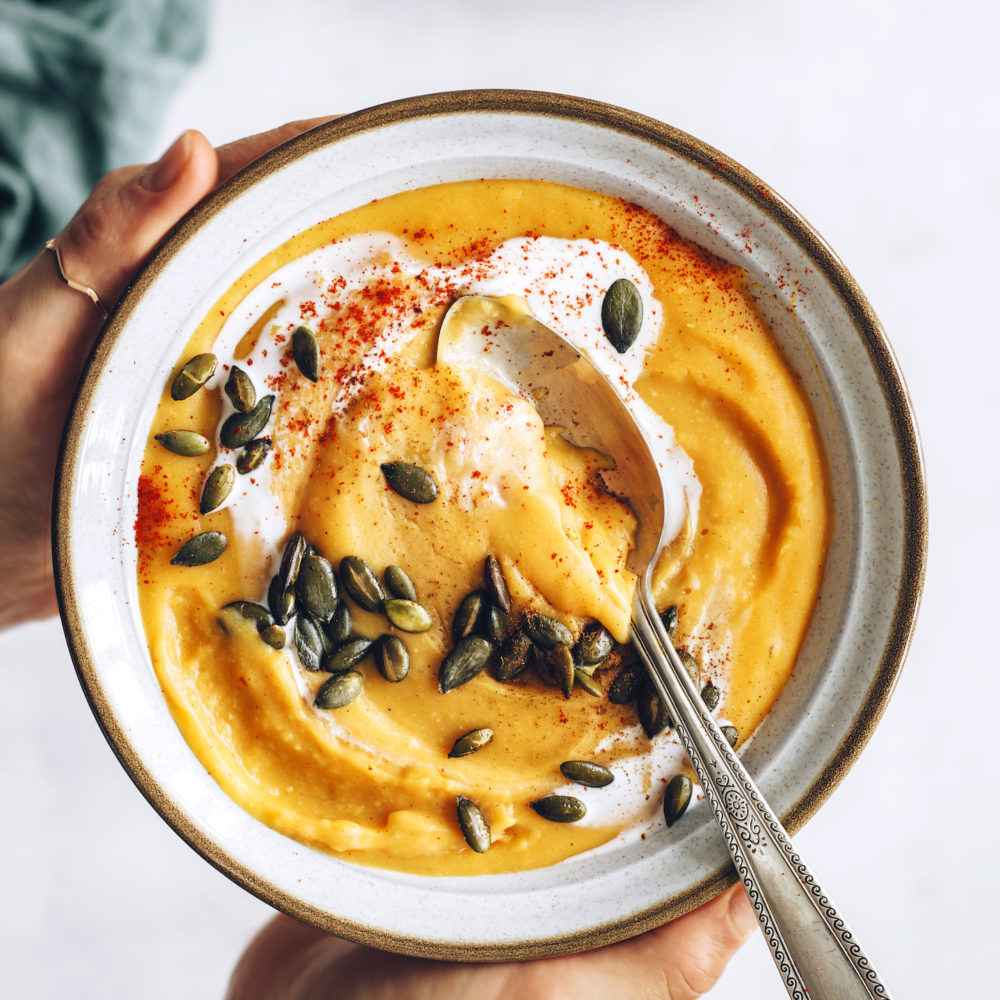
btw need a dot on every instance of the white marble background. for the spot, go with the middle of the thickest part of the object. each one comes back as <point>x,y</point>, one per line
<point>879,122</point>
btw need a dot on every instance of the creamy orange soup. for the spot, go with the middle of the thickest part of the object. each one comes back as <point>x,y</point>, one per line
<point>372,781</point>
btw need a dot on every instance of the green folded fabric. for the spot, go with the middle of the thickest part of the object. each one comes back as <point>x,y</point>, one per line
<point>83,85</point>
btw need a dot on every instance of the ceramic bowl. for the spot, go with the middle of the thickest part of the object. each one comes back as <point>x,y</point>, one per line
<point>855,643</point>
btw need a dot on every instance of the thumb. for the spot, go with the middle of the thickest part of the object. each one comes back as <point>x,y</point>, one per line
<point>130,210</point>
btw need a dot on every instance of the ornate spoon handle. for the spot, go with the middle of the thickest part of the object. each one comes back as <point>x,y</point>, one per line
<point>811,945</point>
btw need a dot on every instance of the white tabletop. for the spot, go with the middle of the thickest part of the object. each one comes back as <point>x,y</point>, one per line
<point>879,122</point>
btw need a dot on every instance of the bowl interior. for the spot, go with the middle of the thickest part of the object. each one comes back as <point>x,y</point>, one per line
<point>831,338</point>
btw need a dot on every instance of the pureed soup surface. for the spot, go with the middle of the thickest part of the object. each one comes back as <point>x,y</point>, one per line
<point>372,780</point>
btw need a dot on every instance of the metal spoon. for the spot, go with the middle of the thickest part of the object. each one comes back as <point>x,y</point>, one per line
<point>811,945</point>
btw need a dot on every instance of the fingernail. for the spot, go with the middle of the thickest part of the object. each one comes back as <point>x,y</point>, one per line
<point>160,175</point>
<point>741,912</point>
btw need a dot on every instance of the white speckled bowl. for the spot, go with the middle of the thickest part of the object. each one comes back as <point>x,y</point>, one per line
<point>870,591</point>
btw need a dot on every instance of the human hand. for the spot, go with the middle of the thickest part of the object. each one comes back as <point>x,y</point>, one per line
<point>682,960</point>
<point>47,330</point>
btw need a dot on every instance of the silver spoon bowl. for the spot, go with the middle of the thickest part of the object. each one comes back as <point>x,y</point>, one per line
<point>811,945</point>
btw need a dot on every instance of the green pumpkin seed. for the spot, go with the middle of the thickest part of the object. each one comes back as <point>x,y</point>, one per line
<point>291,559</point>
<point>305,350</point>
<point>349,655</point>
<point>593,646</point>
<point>338,628</point>
<point>361,583</point>
<point>512,658</point>
<point>496,583</point>
<point>392,657</point>
<point>218,486</point>
<point>560,808</point>
<point>281,601</point>
<point>546,632</point>
<point>691,665</point>
<point>256,614</point>
<point>732,734</point>
<point>274,636</point>
<point>253,455</point>
<point>710,696</point>
<point>340,690</point>
<point>316,588</point>
<point>195,373</point>
<point>561,672</point>
<point>399,584</point>
<point>472,741</point>
<point>464,662</point>
<point>201,549</point>
<point>407,615</point>
<point>621,314</point>
<point>475,829</point>
<point>669,618</point>
<point>585,772</point>
<point>239,429</point>
<point>186,443</point>
<point>240,390</point>
<point>652,711</point>
<point>497,624</point>
<point>310,642</point>
<point>410,481</point>
<point>625,687</point>
<point>585,681</point>
<point>468,616</point>
<point>677,797</point>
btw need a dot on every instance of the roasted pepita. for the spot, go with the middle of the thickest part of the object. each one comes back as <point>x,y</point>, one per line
<point>193,375</point>
<point>281,601</point>
<point>677,797</point>
<point>561,672</point>
<point>274,636</point>
<point>691,665</point>
<point>340,690</point>
<point>310,642</point>
<point>496,583</point>
<point>201,549</point>
<point>349,655</point>
<point>399,584</point>
<point>475,828</point>
<point>305,351</point>
<point>240,390</point>
<point>593,646</point>
<point>361,583</point>
<point>338,628</point>
<point>291,559</point>
<point>253,455</point>
<point>560,808</point>
<point>710,696</point>
<point>218,486</point>
<point>257,614</point>
<point>545,632</point>
<point>588,683</point>
<point>410,481</point>
<point>464,662</point>
<point>186,443</point>
<point>407,615</point>
<point>469,616</point>
<point>652,711</point>
<point>586,772</point>
<point>732,734</point>
<point>392,657</point>
<point>669,618</point>
<point>621,314</point>
<point>316,587</point>
<point>239,429</point>
<point>625,687</point>
<point>472,741</point>
<point>512,657</point>
<point>497,624</point>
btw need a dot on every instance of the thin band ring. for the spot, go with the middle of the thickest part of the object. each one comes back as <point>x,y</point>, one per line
<point>75,285</point>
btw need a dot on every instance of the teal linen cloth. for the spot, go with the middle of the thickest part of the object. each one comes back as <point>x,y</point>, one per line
<point>83,86</point>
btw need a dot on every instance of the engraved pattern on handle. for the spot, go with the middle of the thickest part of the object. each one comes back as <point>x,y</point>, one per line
<point>797,918</point>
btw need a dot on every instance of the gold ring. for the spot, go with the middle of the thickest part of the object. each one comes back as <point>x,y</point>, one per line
<point>75,285</point>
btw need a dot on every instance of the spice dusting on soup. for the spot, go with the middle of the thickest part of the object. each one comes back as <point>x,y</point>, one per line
<point>389,608</point>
